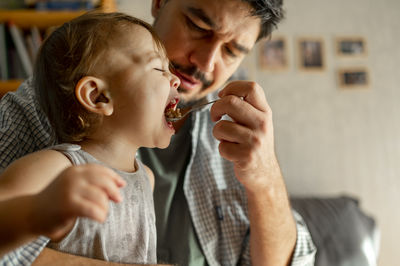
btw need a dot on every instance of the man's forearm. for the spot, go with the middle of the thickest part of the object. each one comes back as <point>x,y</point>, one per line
<point>272,227</point>
<point>14,224</point>
<point>52,257</point>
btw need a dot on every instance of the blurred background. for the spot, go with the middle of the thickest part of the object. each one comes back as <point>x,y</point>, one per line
<point>331,76</point>
<point>332,139</point>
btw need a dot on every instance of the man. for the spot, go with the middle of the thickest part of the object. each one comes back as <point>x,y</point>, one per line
<point>220,196</point>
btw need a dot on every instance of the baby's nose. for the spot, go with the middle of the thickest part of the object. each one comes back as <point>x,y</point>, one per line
<point>175,81</point>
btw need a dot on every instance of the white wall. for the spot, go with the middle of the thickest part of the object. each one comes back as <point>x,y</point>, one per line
<point>137,8</point>
<point>331,141</point>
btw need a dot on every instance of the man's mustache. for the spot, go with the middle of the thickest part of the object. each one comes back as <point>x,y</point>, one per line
<point>194,72</point>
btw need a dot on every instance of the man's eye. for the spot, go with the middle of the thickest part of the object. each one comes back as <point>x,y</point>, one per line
<point>159,69</point>
<point>193,26</point>
<point>229,52</point>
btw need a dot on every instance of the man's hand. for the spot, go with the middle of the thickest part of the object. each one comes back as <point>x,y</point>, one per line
<point>78,191</point>
<point>248,142</point>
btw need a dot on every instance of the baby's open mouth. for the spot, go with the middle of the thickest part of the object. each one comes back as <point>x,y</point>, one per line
<point>171,111</point>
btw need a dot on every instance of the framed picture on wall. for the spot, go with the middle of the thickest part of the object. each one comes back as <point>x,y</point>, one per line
<point>351,46</point>
<point>273,54</point>
<point>353,78</point>
<point>311,54</point>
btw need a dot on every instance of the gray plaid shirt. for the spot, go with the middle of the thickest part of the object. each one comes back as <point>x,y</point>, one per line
<point>216,200</point>
<point>218,204</point>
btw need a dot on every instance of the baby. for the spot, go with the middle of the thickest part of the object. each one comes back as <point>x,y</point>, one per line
<point>103,80</point>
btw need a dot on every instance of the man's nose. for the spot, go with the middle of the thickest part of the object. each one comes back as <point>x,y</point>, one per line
<point>205,56</point>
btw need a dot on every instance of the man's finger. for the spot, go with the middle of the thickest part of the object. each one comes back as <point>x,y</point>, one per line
<point>230,131</point>
<point>234,152</point>
<point>240,111</point>
<point>249,91</point>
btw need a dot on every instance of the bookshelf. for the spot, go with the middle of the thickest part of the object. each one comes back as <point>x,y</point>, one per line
<point>26,18</point>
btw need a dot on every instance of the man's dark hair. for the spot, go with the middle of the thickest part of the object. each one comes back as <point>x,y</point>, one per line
<point>270,12</point>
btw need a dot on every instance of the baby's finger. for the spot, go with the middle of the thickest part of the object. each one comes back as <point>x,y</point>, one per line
<point>96,196</point>
<point>117,178</point>
<point>87,208</point>
<point>105,179</point>
<point>110,173</point>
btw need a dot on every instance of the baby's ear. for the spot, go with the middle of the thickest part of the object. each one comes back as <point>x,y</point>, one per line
<point>94,95</point>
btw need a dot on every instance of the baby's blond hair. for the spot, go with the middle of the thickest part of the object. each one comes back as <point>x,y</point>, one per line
<point>69,53</point>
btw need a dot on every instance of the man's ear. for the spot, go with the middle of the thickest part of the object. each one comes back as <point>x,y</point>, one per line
<point>93,94</point>
<point>155,7</point>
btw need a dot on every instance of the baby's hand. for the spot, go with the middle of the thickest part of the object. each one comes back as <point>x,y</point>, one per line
<point>79,191</point>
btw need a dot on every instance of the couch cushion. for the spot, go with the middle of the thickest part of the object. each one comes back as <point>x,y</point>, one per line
<point>342,233</point>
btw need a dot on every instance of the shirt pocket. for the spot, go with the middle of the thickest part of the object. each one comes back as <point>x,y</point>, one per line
<point>232,223</point>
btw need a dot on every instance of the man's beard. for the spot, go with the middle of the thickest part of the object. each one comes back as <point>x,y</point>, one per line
<point>194,72</point>
<point>182,104</point>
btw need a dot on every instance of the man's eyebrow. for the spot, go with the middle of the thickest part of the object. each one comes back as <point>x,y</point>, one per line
<point>241,48</point>
<point>201,15</point>
<point>207,20</point>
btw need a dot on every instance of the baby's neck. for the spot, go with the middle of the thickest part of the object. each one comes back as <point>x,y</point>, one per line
<point>116,155</point>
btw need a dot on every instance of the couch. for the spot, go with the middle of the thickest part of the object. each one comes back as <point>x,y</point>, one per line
<point>343,234</point>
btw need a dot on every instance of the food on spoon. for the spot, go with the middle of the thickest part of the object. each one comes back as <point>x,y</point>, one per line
<point>171,111</point>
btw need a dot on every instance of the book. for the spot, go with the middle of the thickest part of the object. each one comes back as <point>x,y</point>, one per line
<point>64,5</point>
<point>3,53</point>
<point>36,38</point>
<point>15,68</point>
<point>30,47</point>
<point>22,51</point>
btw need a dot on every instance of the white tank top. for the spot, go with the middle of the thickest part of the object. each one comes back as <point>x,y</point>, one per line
<point>129,234</point>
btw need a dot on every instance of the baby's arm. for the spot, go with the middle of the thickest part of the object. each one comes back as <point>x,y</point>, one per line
<point>30,206</point>
<point>32,173</point>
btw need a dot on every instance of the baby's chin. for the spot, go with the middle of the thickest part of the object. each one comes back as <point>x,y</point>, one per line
<point>163,143</point>
<point>163,146</point>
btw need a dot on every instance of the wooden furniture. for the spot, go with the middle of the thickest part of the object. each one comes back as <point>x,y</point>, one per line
<point>26,18</point>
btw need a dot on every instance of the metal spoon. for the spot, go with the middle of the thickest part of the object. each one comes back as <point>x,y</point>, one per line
<point>186,111</point>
